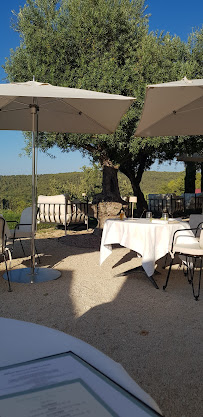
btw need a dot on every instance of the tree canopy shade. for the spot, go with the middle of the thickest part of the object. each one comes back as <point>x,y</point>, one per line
<point>104,46</point>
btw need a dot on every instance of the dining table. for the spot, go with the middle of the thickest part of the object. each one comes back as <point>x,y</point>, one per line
<point>25,343</point>
<point>150,238</point>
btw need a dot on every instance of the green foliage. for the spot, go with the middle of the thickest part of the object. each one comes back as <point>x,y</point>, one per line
<point>88,181</point>
<point>176,186</point>
<point>124,185</point>
<point>195,44</point>
<point>12,217</point>
<point>198,180</point>
<point>91,182</point>
<point>104,46</point>
<point>58,187</point>
<point>16,190</point>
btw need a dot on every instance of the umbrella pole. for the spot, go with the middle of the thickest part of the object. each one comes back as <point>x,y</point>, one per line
<point>34,109</point>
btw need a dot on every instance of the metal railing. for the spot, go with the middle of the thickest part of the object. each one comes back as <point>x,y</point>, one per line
<point>173,204</point>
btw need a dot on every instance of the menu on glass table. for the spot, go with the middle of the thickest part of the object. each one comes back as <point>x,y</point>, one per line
<point>64,385</point>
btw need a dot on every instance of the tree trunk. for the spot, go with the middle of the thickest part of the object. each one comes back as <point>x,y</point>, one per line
<point>109,201</point>
<point>141,202</point>
<point>110,184</point>
<point>110,188</point>
<point>135,179</point>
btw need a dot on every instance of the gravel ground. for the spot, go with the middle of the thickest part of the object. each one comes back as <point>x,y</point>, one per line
<point>155,335</point>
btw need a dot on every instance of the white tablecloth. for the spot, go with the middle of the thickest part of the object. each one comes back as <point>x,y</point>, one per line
<point>151,239</point>
<point>22,341</point>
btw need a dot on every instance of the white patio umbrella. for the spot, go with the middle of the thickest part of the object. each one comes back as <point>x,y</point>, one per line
<point>195,157</point>
<point>172,109</point>
<point>33,106</point>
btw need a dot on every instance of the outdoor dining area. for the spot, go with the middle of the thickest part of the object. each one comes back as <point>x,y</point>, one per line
<point>149,238</point>
<point>107,294</point>
<point>95,303</point>
<point>152,239</point>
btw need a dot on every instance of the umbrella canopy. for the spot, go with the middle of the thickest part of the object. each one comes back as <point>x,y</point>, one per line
<point>34,106</point>
<point>60,109</point>
<point>190,158</point>
<point>173,109</point>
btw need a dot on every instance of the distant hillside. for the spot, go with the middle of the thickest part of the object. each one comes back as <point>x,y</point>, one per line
<point>16,190</point>
<point>153,181</point>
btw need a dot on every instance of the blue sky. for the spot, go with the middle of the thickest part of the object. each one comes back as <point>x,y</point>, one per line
<point>178,17</point>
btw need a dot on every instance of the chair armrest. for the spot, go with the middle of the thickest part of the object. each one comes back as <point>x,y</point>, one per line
<point>11,221</point>
<point>18,226</point>
<point>181,230</point>
<point>23,224</point>
<point>198,227</point>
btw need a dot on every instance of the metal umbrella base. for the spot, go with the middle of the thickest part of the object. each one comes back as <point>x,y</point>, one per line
<point>25,275</point>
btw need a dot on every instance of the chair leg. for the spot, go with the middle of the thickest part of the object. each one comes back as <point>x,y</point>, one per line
<point>24,250</point>
<point>188,269</point>
<point>12,246</point>
<point>169,271</point>
<point>196,296</point>
<point>166,258</point>
<point>10,257</point>
<point>185,267</point>
<point>22,247</point>
<point>9,284</point>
